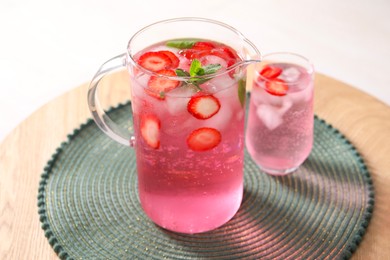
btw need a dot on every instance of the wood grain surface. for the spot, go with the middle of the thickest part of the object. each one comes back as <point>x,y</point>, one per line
<point>364,120</point>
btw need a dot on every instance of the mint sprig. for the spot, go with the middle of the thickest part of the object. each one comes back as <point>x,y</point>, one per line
<point>196,72</point>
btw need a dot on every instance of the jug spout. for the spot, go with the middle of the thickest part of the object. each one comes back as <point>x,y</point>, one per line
<point>250,53</point>
<point>243,65</point>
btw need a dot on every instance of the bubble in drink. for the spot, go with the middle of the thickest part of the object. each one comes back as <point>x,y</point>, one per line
<point>269,116</point>
<point>272,116</point>
<point>290,74</point>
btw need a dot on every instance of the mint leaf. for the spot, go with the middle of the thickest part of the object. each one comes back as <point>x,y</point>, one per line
<point>196,71</point>
<point>195,68</point>
<point>182,73</point>
<point>181,44</point>
<point>211,68</point>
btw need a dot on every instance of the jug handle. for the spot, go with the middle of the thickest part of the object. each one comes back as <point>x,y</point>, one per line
<point>100,117</point>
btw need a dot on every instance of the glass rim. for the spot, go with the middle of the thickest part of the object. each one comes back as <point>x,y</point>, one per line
<point>130,57</point>
<point>309,68</point>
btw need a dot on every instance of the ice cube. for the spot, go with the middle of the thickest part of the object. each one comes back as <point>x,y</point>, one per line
<point>270,116</point>
<point>276,101</point>
<point>286,105</point>
<point>257,96</point>
<point>176,105</point>
<point>139,94</point>
<point>138,83</point>
<point>222,119</point>
<point>212,59</point>
<point>290,74</point>
<point>184,63</point>
<point>222,82</point>
<point>260,96</point>
<point>184,91</point>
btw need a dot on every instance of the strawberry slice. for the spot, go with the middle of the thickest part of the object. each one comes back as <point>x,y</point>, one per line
<point>229,52</point>
<point>203,45</point>
<point>189,54</point>
<point>174,59</point>
<point>203,139</point>
<point>276,87</point>
<point>150,130</point>
<point>203,106</point>
<point>223,53</point>
<point>270,72</point>
<point>203,48</point>
<point>159,85</point>
<point>155,61</point>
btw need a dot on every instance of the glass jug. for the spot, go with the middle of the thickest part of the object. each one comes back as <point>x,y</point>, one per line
<point>188,78</point>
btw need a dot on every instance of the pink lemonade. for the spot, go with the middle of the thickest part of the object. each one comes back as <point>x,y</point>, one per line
<point>189,134</point>
<point>279,133</point>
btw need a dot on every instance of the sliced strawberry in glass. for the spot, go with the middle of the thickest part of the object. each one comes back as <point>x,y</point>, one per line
<point>189,54</point>
<point>229,52</point>
<point>203,106</point>
<point>276,87</point>
<point>150,130</point>
<point>226,56</point>
<point>174,59</point>
<point>159,85</point>
<point>155,61</point>
<point>270,72</point>
<point>204,139</point>
<point>202,45</point>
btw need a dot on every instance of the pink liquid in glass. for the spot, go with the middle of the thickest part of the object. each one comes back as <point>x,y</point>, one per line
<point>185,184</point>
<point>279,133</point>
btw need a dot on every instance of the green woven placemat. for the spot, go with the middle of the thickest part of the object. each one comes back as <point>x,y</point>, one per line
<point>89,207</point>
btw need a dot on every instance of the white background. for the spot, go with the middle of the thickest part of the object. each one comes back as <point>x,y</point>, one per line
<point>48,47</point>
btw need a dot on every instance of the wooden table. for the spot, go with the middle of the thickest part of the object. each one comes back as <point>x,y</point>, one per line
<point>364,120</point>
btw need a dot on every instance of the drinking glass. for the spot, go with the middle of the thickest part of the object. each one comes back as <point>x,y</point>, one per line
<point>279,134</point>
